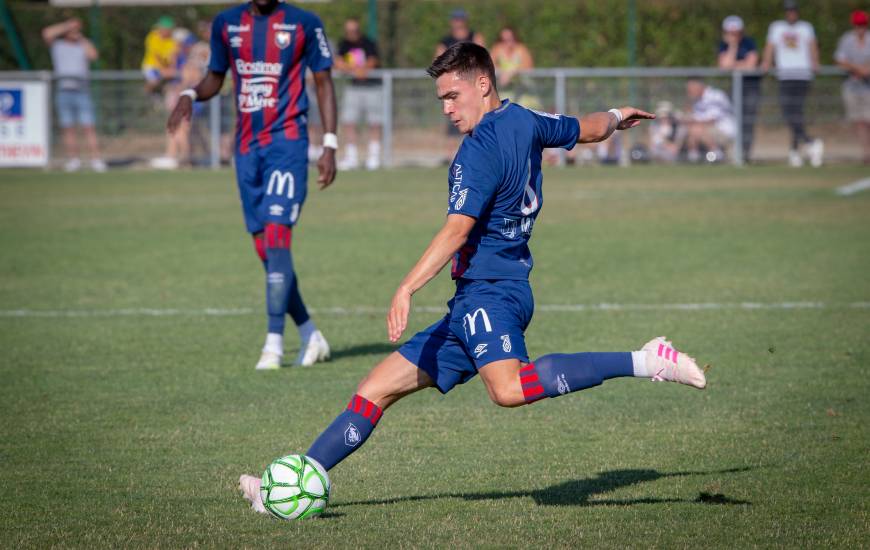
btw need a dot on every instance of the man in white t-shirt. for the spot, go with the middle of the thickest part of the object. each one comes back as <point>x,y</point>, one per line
<point>791,44</point>
<point>71,55</point>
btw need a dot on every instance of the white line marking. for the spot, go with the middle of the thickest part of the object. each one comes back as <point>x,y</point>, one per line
<point>369,310</point>
<point>855,187</point>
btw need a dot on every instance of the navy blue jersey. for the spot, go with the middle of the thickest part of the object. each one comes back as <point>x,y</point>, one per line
<point>268,55</point>
<point>744,47</point>
<point>496,178</point>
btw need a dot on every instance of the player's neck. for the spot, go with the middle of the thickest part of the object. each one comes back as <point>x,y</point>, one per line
<point>265,9</point>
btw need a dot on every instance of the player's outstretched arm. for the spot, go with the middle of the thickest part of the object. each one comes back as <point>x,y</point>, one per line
<point>597,127</point>
<point>326,104</point>
<point>207,88</point>
<point>444,245</point>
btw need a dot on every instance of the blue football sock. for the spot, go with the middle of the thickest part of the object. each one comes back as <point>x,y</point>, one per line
<point>559,373</point>
<point>279,275</point>
<point>347,432</point>
<point>295,306</point>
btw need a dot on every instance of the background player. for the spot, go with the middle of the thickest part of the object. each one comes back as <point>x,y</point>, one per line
<point>268,45</point>
<point>495,196</point>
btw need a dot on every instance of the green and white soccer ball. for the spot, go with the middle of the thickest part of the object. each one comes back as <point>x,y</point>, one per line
<point>295,487</point>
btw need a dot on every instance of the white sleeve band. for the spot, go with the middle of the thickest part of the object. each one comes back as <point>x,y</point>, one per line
<point>330,140</point>
<point>190,92</point>
<point>617,113</point>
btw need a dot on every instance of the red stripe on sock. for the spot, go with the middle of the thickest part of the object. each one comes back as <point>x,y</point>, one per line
<point>363,406</point>
<point>527,368</point>
<point>367,410</point>
<point>260,247</point>
<point>357,403</point>
<point>277,236</point>
<point>533,377</point>
<point>377,416</point>
<point>533,392</point>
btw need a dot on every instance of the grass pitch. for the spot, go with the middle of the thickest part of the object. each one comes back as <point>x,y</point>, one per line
<point>129,408</point>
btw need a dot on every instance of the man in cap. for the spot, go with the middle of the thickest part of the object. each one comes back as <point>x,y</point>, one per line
<point>853,55</point>
<point>737,52</point>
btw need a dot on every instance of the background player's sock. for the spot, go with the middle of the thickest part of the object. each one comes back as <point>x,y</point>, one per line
<point>347,432</point>
<point>279,274</point>
<point>557,374</point>
<point>274,343</point>
<point>296,307</point>
<point>306,330</point>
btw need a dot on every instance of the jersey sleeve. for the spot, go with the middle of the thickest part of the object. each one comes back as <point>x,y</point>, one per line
<point>318,56</point>
<point>219,60</point>
<point>474,179</point>
<point>840,55</point>
<point>556,130</point>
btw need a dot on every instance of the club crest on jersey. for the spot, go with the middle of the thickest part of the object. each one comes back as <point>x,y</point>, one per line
<point>506,343</point>
<point>282,39</point>
<point>352,436</point>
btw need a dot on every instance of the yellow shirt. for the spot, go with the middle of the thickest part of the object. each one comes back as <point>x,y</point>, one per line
<point>159,51</point>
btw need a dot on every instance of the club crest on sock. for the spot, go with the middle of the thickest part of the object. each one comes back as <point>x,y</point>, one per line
<point>352,436</point>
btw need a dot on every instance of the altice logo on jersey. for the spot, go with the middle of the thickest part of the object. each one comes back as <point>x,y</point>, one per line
<point>321,42</point>
<point>457,194</point>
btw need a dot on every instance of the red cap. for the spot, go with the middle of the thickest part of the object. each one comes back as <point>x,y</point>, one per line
<point>859,18</point>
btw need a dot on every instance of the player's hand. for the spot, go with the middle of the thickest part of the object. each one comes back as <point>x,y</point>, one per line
<point>326,168</point>
<point>397,317</point>
<point>631,117</point>
<point>183,111</point>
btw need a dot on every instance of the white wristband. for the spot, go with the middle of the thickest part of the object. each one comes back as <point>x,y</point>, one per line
<point>617,113</point>
<point>330,140</point>
<point>190,92</point>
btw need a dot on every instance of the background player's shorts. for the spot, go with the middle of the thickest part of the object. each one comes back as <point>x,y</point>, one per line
<point>486,322</point>
<point>273,182</point>
<point>362,102</point>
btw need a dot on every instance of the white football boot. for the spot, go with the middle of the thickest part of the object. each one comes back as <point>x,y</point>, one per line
<point>250,487</point>
<point>269,360</point>
<point>313,351</point>
<point>670,365</point>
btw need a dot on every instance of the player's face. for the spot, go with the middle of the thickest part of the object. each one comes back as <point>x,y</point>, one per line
<point>462,99</point>
<point>791,16</point>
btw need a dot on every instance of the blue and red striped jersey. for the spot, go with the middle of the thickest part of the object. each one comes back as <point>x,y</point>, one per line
<point>268,55</point>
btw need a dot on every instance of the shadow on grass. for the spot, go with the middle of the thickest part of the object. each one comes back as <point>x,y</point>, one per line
<point>578,492</point>
<point>362,350</point>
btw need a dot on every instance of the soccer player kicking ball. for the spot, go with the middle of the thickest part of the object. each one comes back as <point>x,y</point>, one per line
<point>495,196</point>
<point>268,45</point>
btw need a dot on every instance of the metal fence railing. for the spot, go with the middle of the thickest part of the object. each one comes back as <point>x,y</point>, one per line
<point>130,122</point>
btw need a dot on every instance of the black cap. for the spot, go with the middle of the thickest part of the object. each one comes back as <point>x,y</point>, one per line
<point>790,5</point>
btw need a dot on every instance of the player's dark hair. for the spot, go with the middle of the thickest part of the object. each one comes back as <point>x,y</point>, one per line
<point>467,59</point>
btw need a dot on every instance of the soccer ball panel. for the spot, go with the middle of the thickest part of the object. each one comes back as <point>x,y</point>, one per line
<point>312,482</point>
<point>280,493</point>
<point>283,474</point>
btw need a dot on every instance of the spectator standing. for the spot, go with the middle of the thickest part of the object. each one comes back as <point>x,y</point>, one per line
<point>460,31</point>
<point>853,55</point>
<point>712,125</point>
<point>363,97</point>
<point>185,73</point>
<point>737,52</point>
<point>791,44</point>
<point>71,56</point>
<point>159,59</point>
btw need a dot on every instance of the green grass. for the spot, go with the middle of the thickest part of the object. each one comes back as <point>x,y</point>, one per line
<point>131,431</point>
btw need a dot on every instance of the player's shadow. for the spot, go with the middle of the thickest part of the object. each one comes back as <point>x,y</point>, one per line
<point>362,350</point>
<point>580,492</point>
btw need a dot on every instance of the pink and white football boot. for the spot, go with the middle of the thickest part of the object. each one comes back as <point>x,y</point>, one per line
<point>669,365</point>
<point>250,487</point>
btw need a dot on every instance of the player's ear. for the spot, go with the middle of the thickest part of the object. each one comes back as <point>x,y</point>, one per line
<point>484,84</point>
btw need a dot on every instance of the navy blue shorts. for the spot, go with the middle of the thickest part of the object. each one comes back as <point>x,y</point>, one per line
<point>486,322</point>
<point>273,183</point>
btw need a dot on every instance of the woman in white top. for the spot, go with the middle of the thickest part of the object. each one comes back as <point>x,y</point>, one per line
<point>792,44</point>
